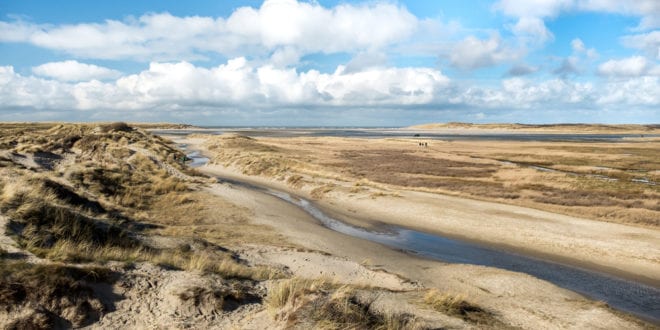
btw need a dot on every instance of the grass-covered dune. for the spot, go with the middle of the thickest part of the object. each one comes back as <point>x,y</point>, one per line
<point>103,225</point>
<point>80,206</point>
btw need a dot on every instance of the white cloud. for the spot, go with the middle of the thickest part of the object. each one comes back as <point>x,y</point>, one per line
<point>634,91</point>
<point>237,84</point>
<point>634,66</point>
<point>472,53</point>
<point>533,8</point>
<point>240,88</point>
<point>74,71</point>
<point>296,27</point>
<point>529,94</point>
<point>578,45</point>
<point>647,42</point>
<point>648,10</point>
<point>17,91</point>
<point>317,29</point>
<point>580,49</point>
<point>533,30</point>
<point>17,31</point>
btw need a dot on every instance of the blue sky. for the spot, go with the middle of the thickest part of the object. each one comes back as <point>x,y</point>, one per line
<point>348,63</point>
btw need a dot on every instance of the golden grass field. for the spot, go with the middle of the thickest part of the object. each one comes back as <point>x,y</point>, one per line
<point>606,181</point>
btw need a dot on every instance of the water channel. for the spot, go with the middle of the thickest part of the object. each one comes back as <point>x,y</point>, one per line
<point>629,296</point>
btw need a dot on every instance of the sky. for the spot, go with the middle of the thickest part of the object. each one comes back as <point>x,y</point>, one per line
<point>330,63</point>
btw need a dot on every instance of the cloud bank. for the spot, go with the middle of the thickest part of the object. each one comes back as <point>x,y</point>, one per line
<point>276,26</point>
<point>238,83</point>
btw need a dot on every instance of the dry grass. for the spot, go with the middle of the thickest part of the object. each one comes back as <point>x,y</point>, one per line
<point>222,264</point>
<point>117,126</point>
<point>459,305</point>
<point>323,305</point>
<point>590,179</point>
<point>450,304</point>
<point>60,295</point>
<point>41,216</point>
<point>218,298</point>
<point>104,199</point>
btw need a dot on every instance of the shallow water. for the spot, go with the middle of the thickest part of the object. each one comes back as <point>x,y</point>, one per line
<point>636,298</point>
<point>372,133</point>
<point>639,299</point>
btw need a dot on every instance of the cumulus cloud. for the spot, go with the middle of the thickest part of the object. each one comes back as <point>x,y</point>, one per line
<point>472,52</point>
<point>237,83</point>
<point>521,93</point>
<point>647,42</point>
<point>533,8</point>
<point>648,10</point>
<point>240,88</point>
<point>30,92</point>
<point>580,49</point>
<point>532,30</point>
<point>74,71</point>
<point>286,27</point>
<point>634,66</point>
<point>634,91</point>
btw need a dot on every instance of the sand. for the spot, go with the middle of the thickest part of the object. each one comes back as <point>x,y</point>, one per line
<point>629,251</point>
<point>519,300</point>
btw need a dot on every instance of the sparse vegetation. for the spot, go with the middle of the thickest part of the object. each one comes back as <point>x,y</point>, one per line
<point>459,305</point>
<point>329,306</point>
<point>450,304</point>
<point>93,195</point>
<point>614,182</point>
<point>218,298</point>
<point>59,296</point>
<point>116,126</point>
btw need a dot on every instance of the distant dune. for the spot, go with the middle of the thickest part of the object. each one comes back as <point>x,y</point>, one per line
<point>573,128</point>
